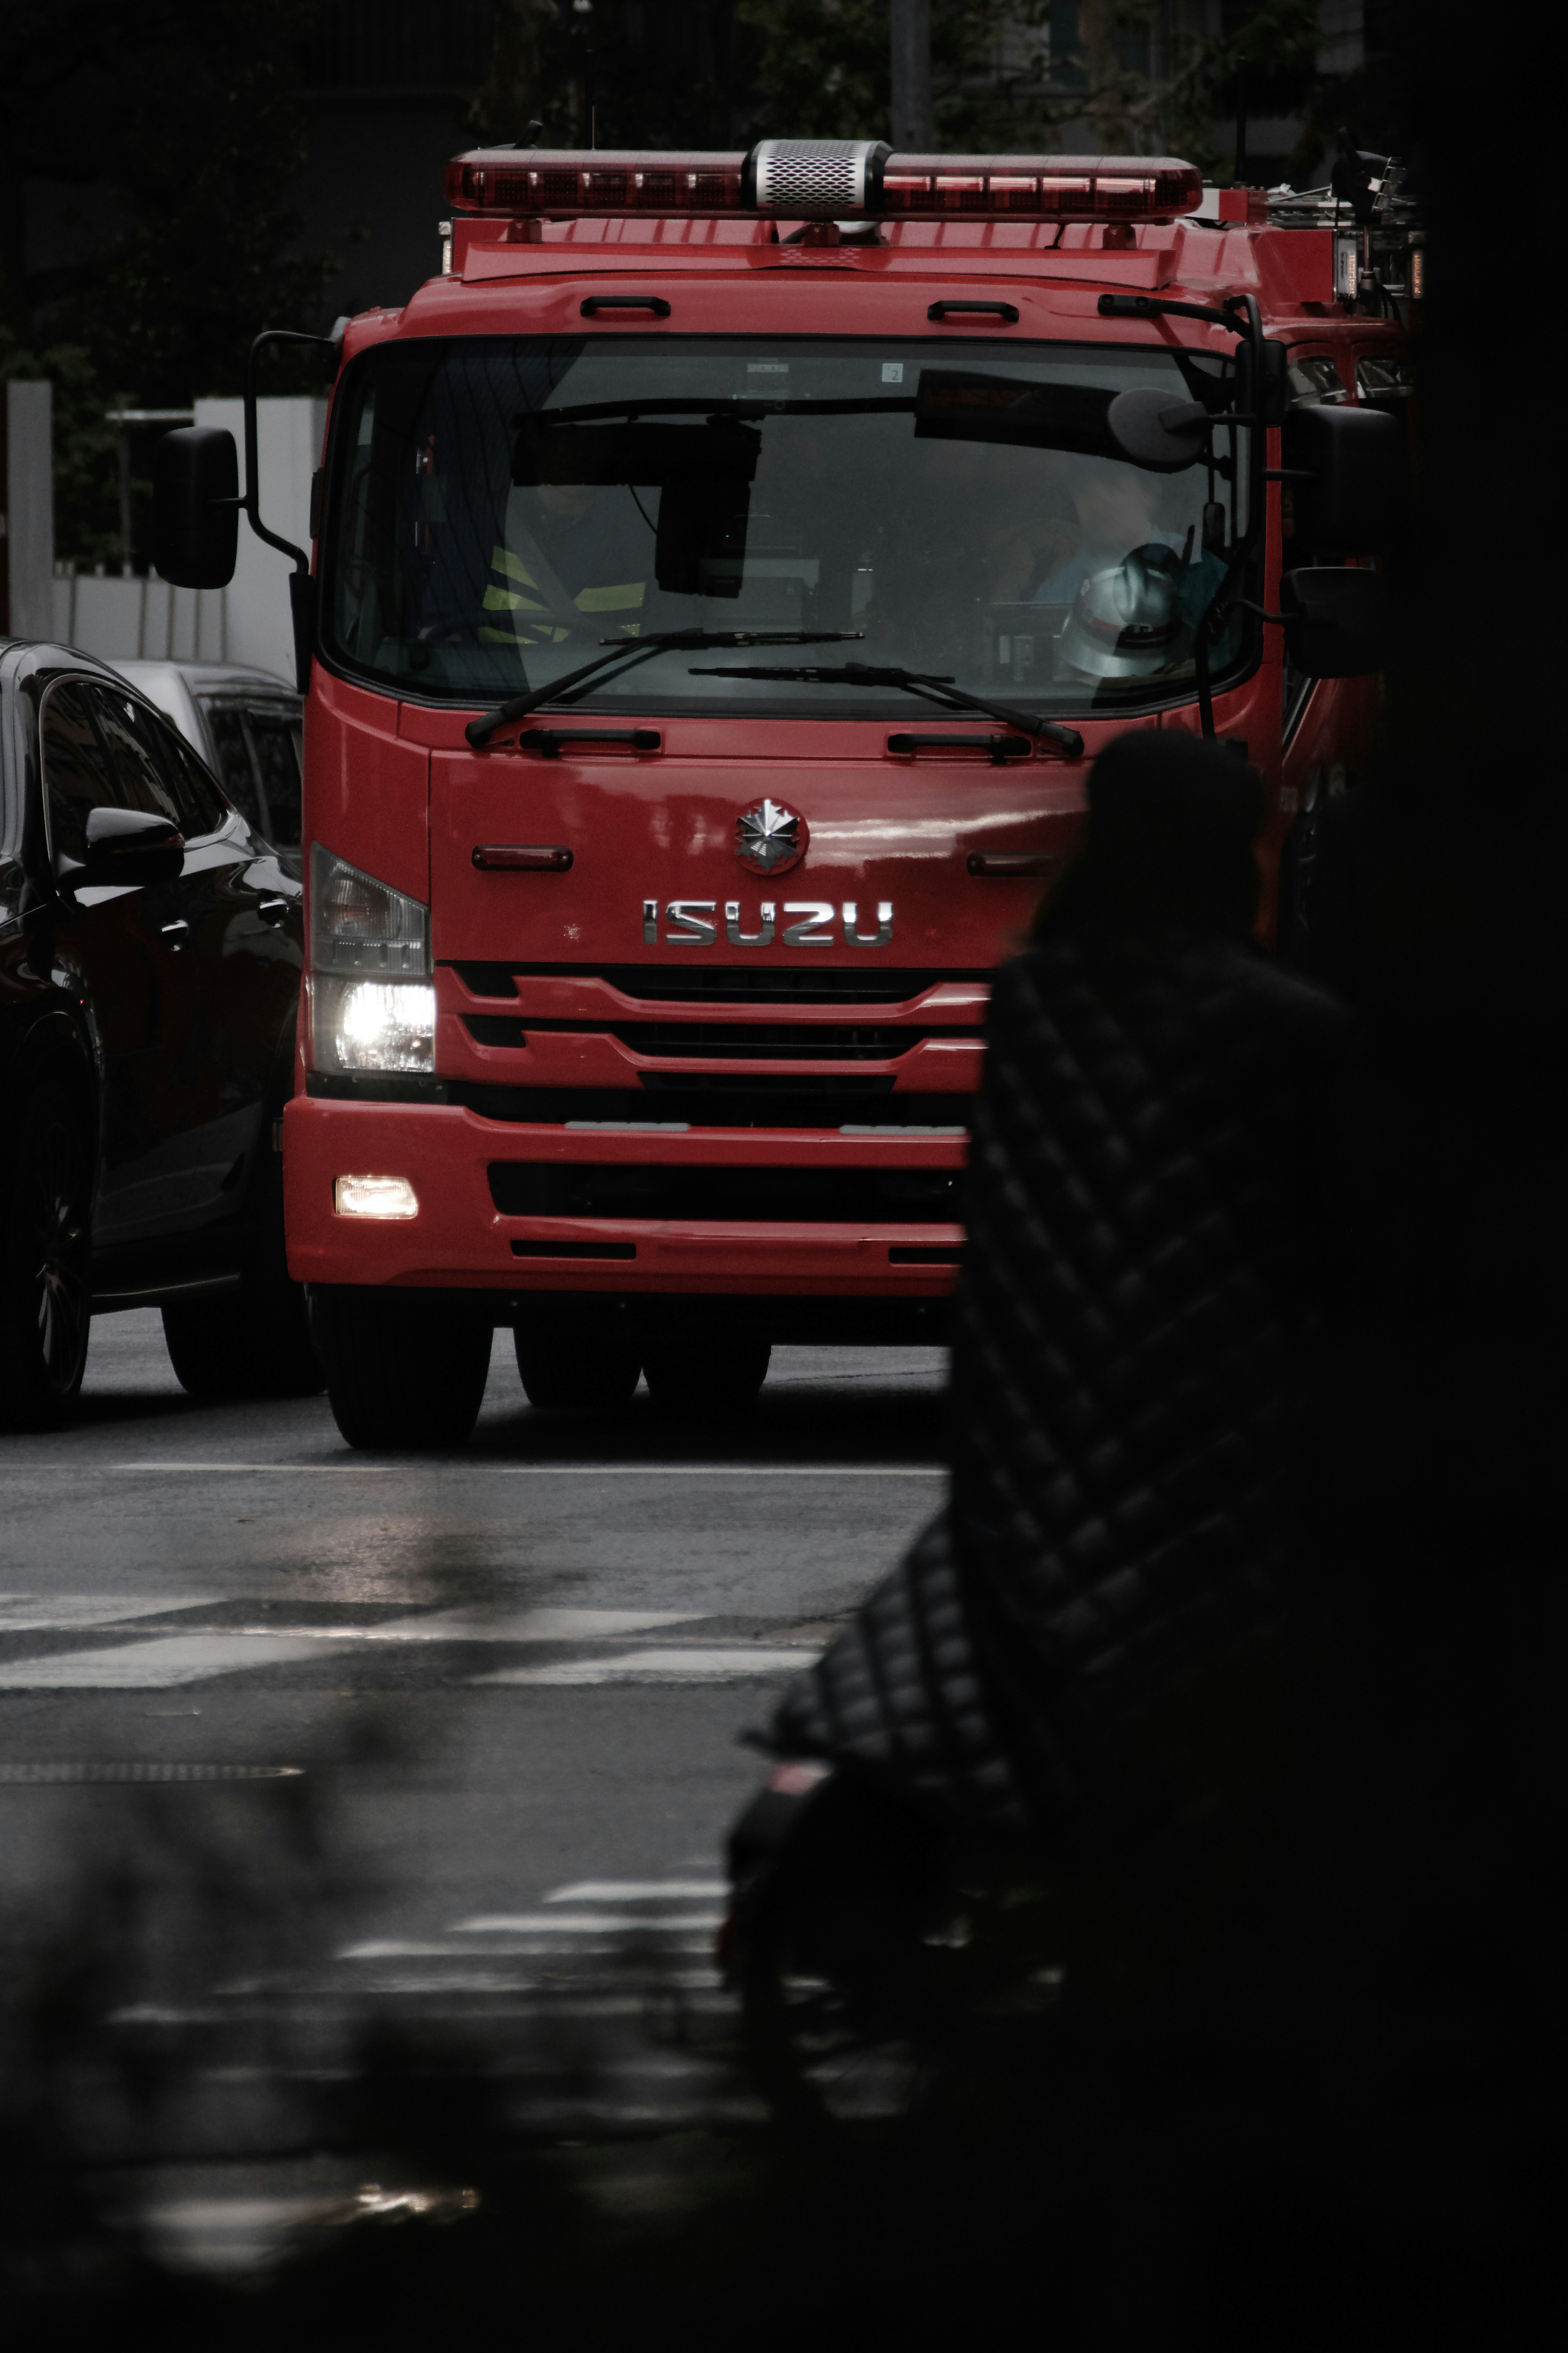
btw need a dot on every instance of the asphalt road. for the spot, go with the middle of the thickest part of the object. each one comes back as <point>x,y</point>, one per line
<point>506,1683</point>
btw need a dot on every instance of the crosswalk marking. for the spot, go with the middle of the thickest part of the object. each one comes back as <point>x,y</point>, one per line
<point>630,1891</point>
<point>394,1948</point>
<point>480,1624</point>
<point>730,1666</point>
<point>162,1660</point>
<point>159,1665</point>
<point>662,1667</point>
<point>577,1924</point>
<point>469,1471</point>
<point>28,1613</point>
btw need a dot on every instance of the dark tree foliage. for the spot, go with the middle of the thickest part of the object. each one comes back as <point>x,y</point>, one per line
<point>616,73</point>
<point>182,124</point>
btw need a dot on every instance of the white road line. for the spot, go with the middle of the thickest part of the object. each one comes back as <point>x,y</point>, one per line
<point>472,1981</point>
<point>158,1665</point>
<point>632,1891</point>
<point>23,1613</point>
<point>391,1948</point>
<point>661,1667</point>
<point>469,1471</point>
<point>480,1624</point>
<point>477,1626</point>
<point>576,1924</point>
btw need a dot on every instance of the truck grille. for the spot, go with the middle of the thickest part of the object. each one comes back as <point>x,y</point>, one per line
<point>532,1189</point>
<point>718,984</point>
<point>748,1041</point>
<point>716,1099</point>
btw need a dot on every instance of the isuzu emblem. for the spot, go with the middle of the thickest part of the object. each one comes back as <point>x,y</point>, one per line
<point>819,923</point>
<point>769,837</point>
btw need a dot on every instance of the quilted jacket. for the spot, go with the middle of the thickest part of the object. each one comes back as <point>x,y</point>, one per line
<point>1131,1331</point>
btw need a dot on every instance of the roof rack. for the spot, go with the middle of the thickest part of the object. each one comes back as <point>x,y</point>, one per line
<point>1379,261</point>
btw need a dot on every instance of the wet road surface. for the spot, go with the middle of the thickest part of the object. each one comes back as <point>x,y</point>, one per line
<point>449,1740</point>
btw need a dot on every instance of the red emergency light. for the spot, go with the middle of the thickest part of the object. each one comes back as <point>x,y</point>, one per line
<point>820,180</point>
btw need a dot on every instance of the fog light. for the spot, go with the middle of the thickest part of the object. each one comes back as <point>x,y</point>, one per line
<point>374,1197</point>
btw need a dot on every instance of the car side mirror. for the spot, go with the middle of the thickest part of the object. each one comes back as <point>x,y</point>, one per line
<point>196,507</point>
<point>128,847</point>
<point>1347,472</point>
<point>1336,621</point>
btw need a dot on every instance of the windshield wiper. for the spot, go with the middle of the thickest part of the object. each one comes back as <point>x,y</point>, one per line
<point>628,651</point>
<point>933,689</point>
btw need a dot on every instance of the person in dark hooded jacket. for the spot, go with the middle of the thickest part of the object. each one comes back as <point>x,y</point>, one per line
<point>1058,1657</point>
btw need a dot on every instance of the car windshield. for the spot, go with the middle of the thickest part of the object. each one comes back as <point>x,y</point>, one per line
<point>500,508</point>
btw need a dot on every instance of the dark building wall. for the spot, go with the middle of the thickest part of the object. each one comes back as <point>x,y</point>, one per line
<point>390,85</point>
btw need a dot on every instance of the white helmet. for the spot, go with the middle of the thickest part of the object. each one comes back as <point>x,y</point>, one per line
<point>1126,621</point>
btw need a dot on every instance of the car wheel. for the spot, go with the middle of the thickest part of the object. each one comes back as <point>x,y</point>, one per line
<point>715,1377</point>
<point>576,1361</point>
<point>254,1341</point>
<point>402,1371</point>
<point>46,1296</point>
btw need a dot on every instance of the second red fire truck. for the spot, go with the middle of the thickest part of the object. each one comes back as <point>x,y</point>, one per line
<point>725,571</point>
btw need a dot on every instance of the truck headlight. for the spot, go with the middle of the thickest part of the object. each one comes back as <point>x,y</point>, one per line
<point>373,1007</point>
<point>374,1025</point>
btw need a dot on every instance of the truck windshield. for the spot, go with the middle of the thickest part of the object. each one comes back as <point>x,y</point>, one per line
<point>499,508</point>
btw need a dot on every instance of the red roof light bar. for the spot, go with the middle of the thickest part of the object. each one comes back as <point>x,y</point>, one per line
<point>568,184</point>
<point>1049,188</point>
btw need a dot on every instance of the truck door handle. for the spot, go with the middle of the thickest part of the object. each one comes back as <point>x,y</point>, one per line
<point>654,302</point>
<point>176,931</point>
<point>1008,311</point>
<point>547,741</point>
<point>521,858</point>
<point>272,911</point>
<point>1001,748</point>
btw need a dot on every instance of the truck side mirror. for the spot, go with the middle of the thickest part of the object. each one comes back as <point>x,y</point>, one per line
<point>196,507</point>
<point>1336,621</point>
<point>1347,470</point>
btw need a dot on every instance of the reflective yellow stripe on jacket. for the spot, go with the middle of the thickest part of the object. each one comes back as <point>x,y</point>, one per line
<point>522,596</point>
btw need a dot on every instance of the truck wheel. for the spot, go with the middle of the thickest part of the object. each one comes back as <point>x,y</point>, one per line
<point>402,1371</point>
<point>715,1377</point>
<point>254,1342</point>
<point>249,1343</point>
<point>576,1362</point>
<point>46,1296</point>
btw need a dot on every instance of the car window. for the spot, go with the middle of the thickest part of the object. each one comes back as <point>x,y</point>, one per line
<point>1314,381</point>
<point>206,811</point>
<point>138,744</point>
<point>226,721</point>
<point>275,737</point>
<point>81,771</point>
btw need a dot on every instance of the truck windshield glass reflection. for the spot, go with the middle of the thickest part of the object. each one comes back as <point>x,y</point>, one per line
<point>502,507</point>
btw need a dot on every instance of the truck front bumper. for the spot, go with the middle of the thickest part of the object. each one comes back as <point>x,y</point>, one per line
<point>458,1240</point>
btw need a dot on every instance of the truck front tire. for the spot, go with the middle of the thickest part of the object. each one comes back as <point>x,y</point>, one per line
<point>403,1371</point>
<point>576,1360</point>
<point>709,1376</point>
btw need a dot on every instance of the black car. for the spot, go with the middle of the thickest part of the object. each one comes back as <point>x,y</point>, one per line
<point>150,951</point>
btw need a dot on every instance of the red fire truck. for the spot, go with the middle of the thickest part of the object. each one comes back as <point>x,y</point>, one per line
<point>725,574</point>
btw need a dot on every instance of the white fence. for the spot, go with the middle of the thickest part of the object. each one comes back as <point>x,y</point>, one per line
<point>128,619</point>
